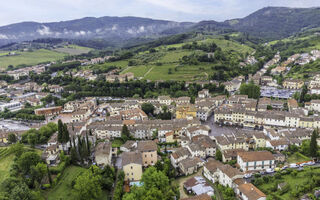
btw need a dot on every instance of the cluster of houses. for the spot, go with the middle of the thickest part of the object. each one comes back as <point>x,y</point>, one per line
<point>243,111</point>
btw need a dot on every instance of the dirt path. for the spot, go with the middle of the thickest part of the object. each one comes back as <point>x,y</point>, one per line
<point>181,180</point>
<point>148,72</point>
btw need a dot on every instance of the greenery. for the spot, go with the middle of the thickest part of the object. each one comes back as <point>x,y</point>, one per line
<point>218,155</point>
<point>151,189</point>
<point>40,136</point>
<point>252,90</point>
<point>31,58</point>
<point>298,183</point>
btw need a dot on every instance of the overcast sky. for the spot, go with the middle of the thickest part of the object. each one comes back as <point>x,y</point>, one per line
<point>13,11</point>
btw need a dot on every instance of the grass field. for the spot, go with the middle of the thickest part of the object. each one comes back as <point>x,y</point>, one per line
<point>5,163</point>
<point>63,189</point>
<point>30,58</point>
<point>300,180</point>
<point>297,157</point>
<point>73,50</point>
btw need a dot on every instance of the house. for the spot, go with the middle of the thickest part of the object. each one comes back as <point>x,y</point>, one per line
<point>198,185</point>
<point>103,154</point>
<point>196,150</point>
<point>315,105</point>
<point>226,175</point>
<point>230,154</point>
<point>178,155</point>
<point>190,166</point>
<point>197,130</point>
<point>166,100</point>
<point>248,191</point>
<point>186,111</point>
<point>210,169</point>
<point>204,93</point>
<point>51,155</point>
<point>293,84</point>
<point>12,106</point>
<point>130,145</point>
<point>132,165</point>
<point>292,104</point>
<point>148,150</point>
<point>48,111</point>
<point>206,143</point>
<point>280,145</point>
<point>255,160</point>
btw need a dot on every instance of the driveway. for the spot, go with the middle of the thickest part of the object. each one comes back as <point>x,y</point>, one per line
<point>181,181</point>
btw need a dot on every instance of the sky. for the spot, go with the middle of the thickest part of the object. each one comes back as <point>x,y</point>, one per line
<point>13,11</point>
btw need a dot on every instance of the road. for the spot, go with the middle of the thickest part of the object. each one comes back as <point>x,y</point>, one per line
<point>217,130</point>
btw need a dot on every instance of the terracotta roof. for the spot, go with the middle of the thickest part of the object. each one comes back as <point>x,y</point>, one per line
<point>230,171</point>
<point>131,157</point>
<point>147,146</point>
<point>256,156</point>
<point>212,165</point>
<point>251,191</point>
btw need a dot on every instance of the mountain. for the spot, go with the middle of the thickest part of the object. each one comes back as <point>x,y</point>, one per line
<point>277,22</point>
<point>268,23</point>
<point>107,28</point>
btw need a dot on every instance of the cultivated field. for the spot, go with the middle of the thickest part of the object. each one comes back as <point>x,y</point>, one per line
<point>30,58</point>
<point>73,50</point>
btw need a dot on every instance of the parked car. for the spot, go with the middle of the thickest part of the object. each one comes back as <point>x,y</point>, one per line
<point>293,165</point>
<point>248,175</point>
<point>284,167</point>
<point>270,171</point>
<point>262,172</point>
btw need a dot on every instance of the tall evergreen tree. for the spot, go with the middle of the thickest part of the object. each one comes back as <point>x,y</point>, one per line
<point>313,144</point>
<point>125,133</point>
<point>60,131</point>
<point>65,135</point>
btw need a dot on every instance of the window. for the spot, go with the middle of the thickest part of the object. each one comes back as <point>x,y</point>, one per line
<point>131,167</point>
<point>255,164</point>
<point>132,174</point>
<point>145,156</point>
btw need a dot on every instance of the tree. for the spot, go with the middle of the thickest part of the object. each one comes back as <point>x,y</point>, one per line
<point>303,94</point>
<point>252,90</point>
<point>27,160</point>
<point>12,138</point>
<point>148,108</point>
<point>125,133</point>
<point>156,185</point>
<point>60,131</point>
<point>218,155</point>
<point>313,144</point>
<point>88,186</point>
<point>65,134</point>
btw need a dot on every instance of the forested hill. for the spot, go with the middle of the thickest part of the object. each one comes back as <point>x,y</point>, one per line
<point>278,22</point>
<point>268,23</point>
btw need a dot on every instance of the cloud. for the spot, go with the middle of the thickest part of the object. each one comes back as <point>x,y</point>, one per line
<point>44,30</point>
<point>3,37</point>
<point>14,11</point>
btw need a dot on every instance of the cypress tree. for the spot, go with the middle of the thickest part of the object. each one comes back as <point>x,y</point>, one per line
<point>60,131</point>
<point>313,144</point>
<point>65,135</point>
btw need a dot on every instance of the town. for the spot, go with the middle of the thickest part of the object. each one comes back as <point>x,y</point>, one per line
<point>209,143</point>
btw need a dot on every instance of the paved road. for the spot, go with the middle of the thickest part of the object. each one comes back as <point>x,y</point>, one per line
<point>217,130</point>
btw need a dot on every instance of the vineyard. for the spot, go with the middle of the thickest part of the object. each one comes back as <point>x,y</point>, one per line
<point>4,152</point>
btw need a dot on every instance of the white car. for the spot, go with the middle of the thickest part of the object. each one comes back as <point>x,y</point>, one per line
<point>270,171</point>
<point>293,165</point>
<point>248,175</point>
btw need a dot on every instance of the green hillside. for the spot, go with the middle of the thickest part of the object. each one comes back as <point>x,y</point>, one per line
<point>177,62</point>
<point>30,58</point>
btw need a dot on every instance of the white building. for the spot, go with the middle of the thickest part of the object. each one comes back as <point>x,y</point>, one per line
<point>255,160</point>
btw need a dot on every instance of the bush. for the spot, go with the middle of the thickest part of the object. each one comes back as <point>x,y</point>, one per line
<point>277,175</point>
<point>58,169</point>
<point>46,186</point>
